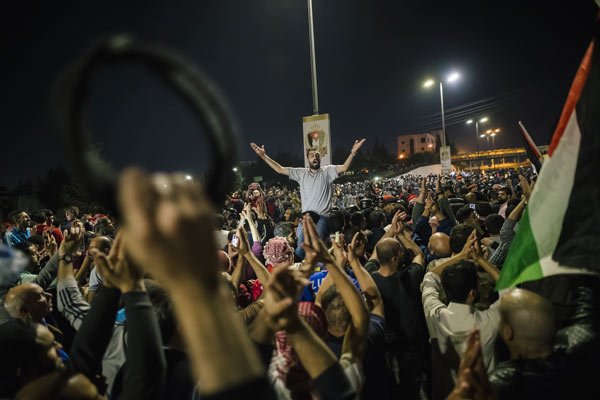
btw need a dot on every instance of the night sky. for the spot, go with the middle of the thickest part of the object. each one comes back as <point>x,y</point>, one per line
<point>517,60</point>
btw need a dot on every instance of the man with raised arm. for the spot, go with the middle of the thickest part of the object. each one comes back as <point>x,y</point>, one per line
<point>315,185</point>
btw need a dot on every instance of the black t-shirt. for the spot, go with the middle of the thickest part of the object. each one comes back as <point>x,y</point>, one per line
<point>402,303</point>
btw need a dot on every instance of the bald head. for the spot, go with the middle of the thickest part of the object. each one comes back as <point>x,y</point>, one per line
<point>527,324</point>
<point>387,249</point>
<point>439,244</point>
<point>28,301</point>
<point>101,243</point>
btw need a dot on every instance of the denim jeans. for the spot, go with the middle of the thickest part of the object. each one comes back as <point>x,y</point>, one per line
<point>321,230</point>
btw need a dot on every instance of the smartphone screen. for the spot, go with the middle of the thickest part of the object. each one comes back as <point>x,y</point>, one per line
<point>235,241</point>
<point>472,206</point>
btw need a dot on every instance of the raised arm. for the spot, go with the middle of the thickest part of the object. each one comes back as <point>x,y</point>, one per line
<point>477,256</point>
<point>463,255</point>
<point>365,280</point>
<point>262,273</point>
<point>315,249</point>
<point>145,370</point>
<point>281,309</point>
<point>344,167</point>
<point>270,162</point>
<point>169,232</point>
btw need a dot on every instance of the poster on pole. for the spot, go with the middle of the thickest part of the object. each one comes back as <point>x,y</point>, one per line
<point>445,159</point>
<point>315,136</point>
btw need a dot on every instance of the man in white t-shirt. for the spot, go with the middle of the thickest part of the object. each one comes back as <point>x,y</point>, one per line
<point>315,185</point>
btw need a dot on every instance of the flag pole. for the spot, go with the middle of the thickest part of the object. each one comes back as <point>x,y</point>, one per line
<point>313,61</point>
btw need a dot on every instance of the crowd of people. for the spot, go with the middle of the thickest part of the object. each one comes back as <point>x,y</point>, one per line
<point>376,290</point>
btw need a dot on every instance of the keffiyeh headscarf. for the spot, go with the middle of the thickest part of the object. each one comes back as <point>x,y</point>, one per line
<point>285,359</point>
<point>277,251</point>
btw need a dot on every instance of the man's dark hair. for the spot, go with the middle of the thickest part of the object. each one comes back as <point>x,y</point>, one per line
<point>283,229</point>
<point>294,214</point>
<point>458,237</point>
<point>376,219</point>
<point>494,223</point>
<point>458,280</point>
<point>483,208</point>
<point>506,190</point>
<point>335,222</point>
<point>163,308</point>
<point>463,214</point>
<point>388,249</point>
<point>38,217</point>
<point>350,232</point>
<point>356,218</point>
<point>12,216</point>
<point>308,150</point>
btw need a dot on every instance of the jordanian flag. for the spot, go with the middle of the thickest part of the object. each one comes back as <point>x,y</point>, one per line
<point>559,232</point>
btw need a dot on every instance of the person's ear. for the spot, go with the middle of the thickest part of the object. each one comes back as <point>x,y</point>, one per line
<point>507,333</point>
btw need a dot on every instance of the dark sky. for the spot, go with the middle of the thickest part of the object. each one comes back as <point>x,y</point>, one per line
<point>517,60</point>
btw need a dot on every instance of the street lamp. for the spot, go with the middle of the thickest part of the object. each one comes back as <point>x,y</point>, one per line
<point>492,133</point>
<point>477,122</point>
<point>453,77</point>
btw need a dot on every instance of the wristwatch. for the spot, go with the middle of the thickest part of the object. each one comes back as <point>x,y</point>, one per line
<point>66,258</point>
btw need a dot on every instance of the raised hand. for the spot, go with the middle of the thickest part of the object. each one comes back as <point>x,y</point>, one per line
<point>467,248</point>
<point>339,254</point>
<point>474,252</point>
<point>429,202</point>
<point>313,245</point>
<point>261,209</point>
<point>71,240</point>
<point>281,298</point>
<point>397,226</point>
<point>258,150</point>
<point>116,271</point>
<point>167,224</point>
<point>357,145</point>
<point>50,245</point>
<point>243,245</point>
<point>472,382</point>
<point>526,187</point>
<point>356,248</point>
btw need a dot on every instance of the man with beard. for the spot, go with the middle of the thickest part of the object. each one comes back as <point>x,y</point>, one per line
<point>315,186</point>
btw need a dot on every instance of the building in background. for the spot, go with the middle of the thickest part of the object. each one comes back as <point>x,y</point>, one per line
<point>409,145</point>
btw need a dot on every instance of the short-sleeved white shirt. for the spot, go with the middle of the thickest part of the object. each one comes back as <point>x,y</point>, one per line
<point>315,189</point>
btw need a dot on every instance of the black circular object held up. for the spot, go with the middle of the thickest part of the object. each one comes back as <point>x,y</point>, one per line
<point>74,83</point>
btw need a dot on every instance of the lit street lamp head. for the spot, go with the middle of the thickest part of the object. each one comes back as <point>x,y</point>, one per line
<point>428,83</point>
<point>470,121</point>
<point>453,77</point>
<point>484,119</point>
<point>482,135</point>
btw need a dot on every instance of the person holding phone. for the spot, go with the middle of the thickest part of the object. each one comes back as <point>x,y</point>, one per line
<point>316,191</point>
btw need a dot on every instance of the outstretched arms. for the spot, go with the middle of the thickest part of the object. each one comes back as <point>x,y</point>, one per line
<point>270,162</point>
<point>344,167</point>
